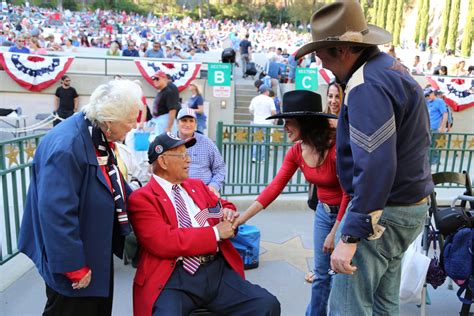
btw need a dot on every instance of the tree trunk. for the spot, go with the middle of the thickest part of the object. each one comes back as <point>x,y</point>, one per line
<point>60,5</point>
<point>383,18</point>
<point>453,25</point>
<point>200,9</point>
<point>424,21</point>
<point>391,15</point>
<point>418,21</point>
<point>398,22</point>
<point>467,36</point>
<point>444,26</point>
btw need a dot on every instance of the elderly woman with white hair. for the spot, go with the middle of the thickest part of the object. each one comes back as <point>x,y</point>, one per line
<point>75,216</point>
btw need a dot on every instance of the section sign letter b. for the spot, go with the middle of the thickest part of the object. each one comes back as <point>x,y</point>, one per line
<point>219,74</point>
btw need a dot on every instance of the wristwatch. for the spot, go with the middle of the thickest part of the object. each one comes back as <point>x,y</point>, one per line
<point>349,239</point>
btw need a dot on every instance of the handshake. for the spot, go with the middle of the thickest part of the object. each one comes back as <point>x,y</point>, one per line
<point>229,223</point>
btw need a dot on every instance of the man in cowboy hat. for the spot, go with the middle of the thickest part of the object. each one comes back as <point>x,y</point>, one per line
<point>382,145</point>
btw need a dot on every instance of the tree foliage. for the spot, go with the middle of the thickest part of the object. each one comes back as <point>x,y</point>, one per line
<point>424,21</point>
<point>398,22</point>
<point>468,29</point>
<point>418,21</point>
<point>453,25</point>
<point>391,14</point>
<point>443,36</point>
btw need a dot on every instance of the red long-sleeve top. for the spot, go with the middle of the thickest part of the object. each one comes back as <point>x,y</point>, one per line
<point>323,176</point>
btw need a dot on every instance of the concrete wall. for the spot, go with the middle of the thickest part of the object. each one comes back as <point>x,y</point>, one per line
<point>33,103</point>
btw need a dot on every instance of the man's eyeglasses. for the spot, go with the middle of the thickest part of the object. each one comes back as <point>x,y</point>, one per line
<point>183,155</point>
<point>155,79</point>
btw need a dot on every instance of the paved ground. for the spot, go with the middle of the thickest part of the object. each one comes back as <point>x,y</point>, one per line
<point>285,257</point>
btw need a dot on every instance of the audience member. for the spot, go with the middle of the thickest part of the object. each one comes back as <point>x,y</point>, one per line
<point>66,100</point>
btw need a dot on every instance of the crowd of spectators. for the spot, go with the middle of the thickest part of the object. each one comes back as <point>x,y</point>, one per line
<point>122,34</point>
<point>48,31</point>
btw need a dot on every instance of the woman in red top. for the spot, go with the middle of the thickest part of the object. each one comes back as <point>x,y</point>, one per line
<point>314,153</point>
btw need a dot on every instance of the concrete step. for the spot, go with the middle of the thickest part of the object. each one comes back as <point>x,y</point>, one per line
<point>245,117</point>
<point>246,89</point>
<point>245,94</point>
<point>236,121</point>
<point>241,111</point>
<point>242,104</point>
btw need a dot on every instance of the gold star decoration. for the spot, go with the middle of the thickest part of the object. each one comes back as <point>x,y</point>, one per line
<point>226,134</point>
<point>441,142</point>
<point>277,136</point>
<point>30,150</point>
<point>258,136</point>
<point>291,251</point>
<point>456,143</point>
<point>12,154</point>
<point>240,135</point>
<point>471,143</point>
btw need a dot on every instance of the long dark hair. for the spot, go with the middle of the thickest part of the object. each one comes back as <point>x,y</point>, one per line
<point>316,132</point>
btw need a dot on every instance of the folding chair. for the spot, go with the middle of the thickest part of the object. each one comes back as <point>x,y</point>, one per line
<point>463,180</point>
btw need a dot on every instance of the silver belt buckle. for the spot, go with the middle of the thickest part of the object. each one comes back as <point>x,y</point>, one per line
<point>327,208</point>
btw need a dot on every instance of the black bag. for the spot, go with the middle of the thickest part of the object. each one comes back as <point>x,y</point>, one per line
<point>312,196</point>
<point>449,220</point>
<point>251,69</point>
<point>228,55</point>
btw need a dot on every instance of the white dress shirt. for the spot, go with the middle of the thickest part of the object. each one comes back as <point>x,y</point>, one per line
<point>191,207</point>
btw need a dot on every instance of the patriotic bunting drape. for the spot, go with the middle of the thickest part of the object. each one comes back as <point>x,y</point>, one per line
<point>34,72</point>
<point>458,92</point>
<point>182,73</point>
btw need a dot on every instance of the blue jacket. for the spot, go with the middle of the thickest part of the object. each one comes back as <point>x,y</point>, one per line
<point>383,136</point>
<point>69,214</point>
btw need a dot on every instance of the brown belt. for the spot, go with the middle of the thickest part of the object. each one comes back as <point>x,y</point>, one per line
<point>420,202</point>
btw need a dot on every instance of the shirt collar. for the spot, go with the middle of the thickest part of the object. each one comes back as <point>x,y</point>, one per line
<point>165,184</point>
<point>367,54</point>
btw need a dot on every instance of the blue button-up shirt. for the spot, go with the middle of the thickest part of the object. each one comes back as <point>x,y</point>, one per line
<point>207,163</point>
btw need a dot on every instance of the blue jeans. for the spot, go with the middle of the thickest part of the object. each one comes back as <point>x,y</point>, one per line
<point>321,286</point>
<point>161,122</point>
<point>374,288</point>
<point>201,124</point>
<point>435,153</point>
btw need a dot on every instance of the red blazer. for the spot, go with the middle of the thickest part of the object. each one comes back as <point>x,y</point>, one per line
<point>154,221</point>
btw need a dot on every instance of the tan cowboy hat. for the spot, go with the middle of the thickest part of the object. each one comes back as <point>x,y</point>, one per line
<point>335,19</point>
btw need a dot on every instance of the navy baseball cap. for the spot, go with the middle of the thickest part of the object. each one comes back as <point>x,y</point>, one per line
<point>428,91</point>
<point>165,142</point>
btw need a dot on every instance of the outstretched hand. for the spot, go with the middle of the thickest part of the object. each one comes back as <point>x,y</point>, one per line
<point>229,215</point>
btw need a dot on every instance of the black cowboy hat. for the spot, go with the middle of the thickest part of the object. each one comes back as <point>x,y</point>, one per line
<point>301,103</point>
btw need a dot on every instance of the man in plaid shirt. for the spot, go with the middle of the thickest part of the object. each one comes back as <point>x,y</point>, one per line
<point>207,163</point>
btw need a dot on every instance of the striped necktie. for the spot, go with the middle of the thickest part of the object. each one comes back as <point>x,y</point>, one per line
<point>190,264</point>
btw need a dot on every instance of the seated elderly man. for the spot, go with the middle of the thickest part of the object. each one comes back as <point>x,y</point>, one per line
<point>187,261</point>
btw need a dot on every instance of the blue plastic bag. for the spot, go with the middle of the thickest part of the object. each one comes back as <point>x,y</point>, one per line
<point>141,140</point>
<point>247,243</point>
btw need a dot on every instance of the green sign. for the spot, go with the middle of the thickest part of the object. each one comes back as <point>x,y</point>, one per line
<point>218,74</point>
<point>306,79</point>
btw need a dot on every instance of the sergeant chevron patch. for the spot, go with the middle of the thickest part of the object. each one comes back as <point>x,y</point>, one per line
<point>372,142</point>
